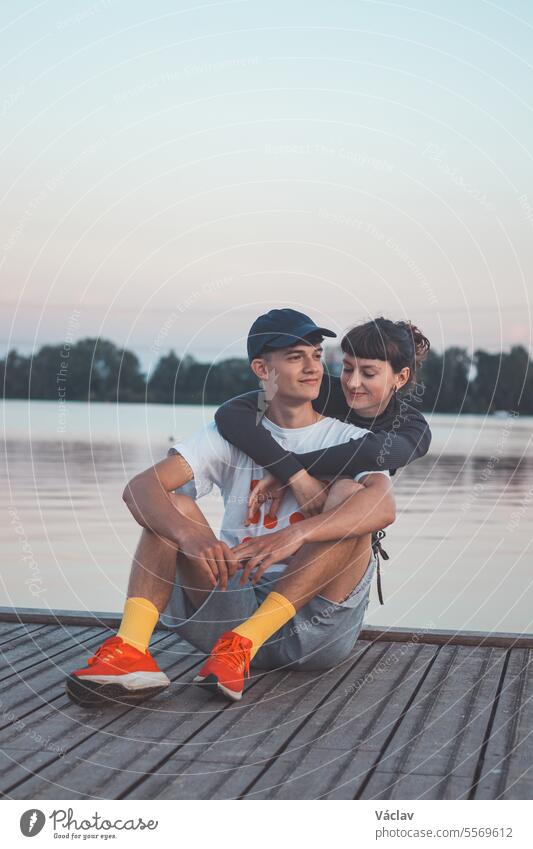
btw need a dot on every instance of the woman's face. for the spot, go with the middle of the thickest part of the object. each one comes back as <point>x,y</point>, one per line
<point>368,385</point>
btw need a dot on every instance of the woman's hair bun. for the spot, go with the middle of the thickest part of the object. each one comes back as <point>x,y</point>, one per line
<point>420,342</point>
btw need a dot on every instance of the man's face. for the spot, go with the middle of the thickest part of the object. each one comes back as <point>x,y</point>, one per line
<point>294,373</point>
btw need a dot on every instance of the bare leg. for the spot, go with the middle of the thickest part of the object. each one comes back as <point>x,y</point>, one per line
<point>331,569</point>
<point>156,559</point>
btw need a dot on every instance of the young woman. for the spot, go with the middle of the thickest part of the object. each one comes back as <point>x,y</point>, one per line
<point>380,358</point>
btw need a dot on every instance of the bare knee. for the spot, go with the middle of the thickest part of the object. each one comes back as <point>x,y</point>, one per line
<point>340,491</point>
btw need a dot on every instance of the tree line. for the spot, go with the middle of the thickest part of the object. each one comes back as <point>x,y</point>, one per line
<point>97,370</point>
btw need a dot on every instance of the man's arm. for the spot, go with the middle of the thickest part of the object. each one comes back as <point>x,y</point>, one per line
<point>370,508</point>
<point>203,456</point>
<point>148,498</point>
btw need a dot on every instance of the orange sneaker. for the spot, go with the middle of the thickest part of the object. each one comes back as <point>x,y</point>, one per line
<point>116,671</point>
<point>224,669</point>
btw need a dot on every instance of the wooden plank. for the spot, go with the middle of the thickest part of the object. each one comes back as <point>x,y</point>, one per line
<point>500,639</point>
<point>18,632</point>
<point>441,737</point>
<point>22,643</point>
<point>507,767</point>
<point>23,650</point>
<point>139,746</point>
<point>414,785</point>
<point>46,645</point>
<point>64,727</point>
<point>59,617</point>
<point>7,627</point>
<point>332,753</point>
<point>8,759</point>
<point>370,633</point>
<point>256,740</point>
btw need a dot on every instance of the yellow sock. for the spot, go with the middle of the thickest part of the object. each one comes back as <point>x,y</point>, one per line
<point>138,622</point>
<point>267,619</point>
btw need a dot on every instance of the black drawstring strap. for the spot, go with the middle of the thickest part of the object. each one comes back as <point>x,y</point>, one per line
<point>377,548</point>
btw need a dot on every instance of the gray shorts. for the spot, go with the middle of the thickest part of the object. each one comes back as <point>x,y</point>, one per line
<point>320,636</point>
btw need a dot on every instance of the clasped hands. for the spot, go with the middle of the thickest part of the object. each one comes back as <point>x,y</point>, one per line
<point>261,552</point>
<point>220,562</point>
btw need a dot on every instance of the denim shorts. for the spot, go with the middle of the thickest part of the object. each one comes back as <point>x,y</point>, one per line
<point>320,636</point>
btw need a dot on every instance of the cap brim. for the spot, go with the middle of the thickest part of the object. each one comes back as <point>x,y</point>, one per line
<point>286,339</point>
<point>325,332</point>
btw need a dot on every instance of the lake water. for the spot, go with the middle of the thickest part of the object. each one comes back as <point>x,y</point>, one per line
<point>460,549</point>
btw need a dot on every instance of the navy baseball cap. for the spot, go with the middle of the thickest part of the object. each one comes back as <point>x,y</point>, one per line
<point>279,329</point>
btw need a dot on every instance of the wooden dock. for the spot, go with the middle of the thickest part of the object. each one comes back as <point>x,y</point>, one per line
<point>410,715</point>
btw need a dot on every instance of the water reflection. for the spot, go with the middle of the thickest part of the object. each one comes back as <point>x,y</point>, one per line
<point>460,550</point>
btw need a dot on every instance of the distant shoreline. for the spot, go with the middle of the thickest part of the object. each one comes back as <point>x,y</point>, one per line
<point>97,371</point>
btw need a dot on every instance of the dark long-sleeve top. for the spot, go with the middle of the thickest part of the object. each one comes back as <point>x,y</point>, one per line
<point>398,436</point>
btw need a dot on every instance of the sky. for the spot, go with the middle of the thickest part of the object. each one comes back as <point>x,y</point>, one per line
<point>173,169</point>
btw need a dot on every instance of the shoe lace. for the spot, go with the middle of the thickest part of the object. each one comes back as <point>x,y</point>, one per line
<point>107,651</point>
<point>235,655</point>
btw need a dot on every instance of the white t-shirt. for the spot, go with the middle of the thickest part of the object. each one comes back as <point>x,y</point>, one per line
<point>214,460</point>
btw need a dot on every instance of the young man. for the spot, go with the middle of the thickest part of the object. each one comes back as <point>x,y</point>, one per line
<point>283,590</point>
